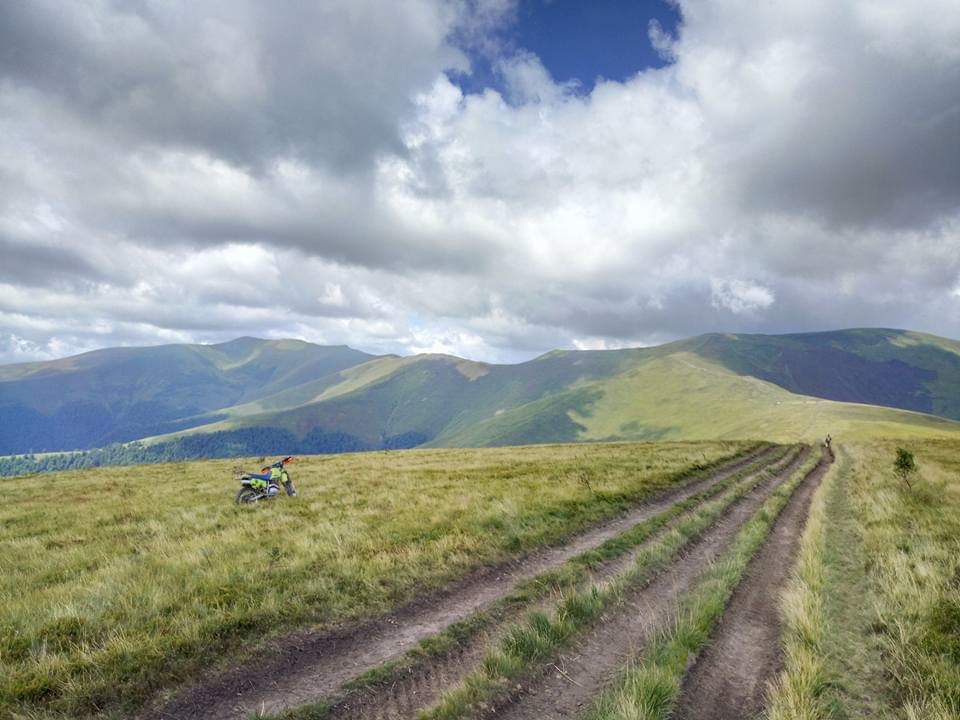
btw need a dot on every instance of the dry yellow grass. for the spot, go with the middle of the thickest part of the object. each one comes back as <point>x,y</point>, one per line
<point>120,581</point>
<point>873,614</point>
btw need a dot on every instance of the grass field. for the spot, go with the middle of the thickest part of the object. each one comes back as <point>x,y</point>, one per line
<point>873,613</point>
<point>685,396</point>
<point>118,582</point>
<point>123,583</point>
<point>682,396</point>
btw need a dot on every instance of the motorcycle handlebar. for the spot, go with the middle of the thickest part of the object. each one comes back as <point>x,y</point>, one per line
<point>279,463</point>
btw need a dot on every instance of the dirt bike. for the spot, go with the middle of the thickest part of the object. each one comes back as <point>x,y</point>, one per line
<point>266,484</point>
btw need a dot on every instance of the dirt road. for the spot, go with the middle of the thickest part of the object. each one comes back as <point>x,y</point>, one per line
<point>570,683</point>
<point>403,695</point>
<point>310,666</point>
<point>729,679</point>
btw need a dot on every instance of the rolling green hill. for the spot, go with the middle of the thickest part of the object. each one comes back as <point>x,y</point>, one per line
<point>713,386</point>
<point>122,394</point>
<point>402,402</point>
<point>894,368</point>
<point>683,395</point>
<point>254,396</point>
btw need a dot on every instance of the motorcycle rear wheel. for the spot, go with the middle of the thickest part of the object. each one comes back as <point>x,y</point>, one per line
<point>246,496</point>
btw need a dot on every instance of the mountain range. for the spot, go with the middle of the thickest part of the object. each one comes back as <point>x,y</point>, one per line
<point>252,396</point>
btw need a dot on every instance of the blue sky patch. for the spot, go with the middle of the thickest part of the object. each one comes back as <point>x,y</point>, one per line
<point>580,40</point>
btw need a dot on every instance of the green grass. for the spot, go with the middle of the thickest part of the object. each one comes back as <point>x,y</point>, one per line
<point>833,662</point>
<point>701,388</point>
<point>540,635</point>
<point>649,689</point>
<point>880,623</point>
<point>689,397</point>
<point>684,396</point>
<point>119,582</point>
<point>560,581</point>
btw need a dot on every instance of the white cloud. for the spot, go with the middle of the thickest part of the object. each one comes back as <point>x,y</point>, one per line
<point>661,40</point>
<point>452,342</point>
<point>795,167</point>
<point>602,343</point>
<point>740,296</point>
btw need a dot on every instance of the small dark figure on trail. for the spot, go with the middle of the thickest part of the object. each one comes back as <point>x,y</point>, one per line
<point>828,442</point>
<point>904,466</point>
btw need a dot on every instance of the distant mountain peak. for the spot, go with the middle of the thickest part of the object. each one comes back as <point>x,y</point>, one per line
<point>345,398</point>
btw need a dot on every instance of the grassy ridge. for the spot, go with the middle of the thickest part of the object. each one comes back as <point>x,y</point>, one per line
<point>118,582</point>
<point>121,394</point>
<point>747,384</point>
<point>741,383</point>
<point>730,386</point>
<point>877,366</point>
<point>882,590</point>
<point>684,396</point>
<point>256,397</point>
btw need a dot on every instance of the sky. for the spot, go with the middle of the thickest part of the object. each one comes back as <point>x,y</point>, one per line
<point>489,178</point>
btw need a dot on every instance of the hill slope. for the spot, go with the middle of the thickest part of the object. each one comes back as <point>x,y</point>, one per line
<point>255,396</point>
<point>402,402</point>
<point>121,394</point>
<point>743,386</point>
<point>684,396</point>
<point>894,368</point>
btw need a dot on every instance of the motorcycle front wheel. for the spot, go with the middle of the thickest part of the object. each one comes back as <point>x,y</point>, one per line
<point>246,495</point>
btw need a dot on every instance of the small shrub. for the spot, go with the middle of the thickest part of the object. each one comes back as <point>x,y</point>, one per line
<point>904,466</point>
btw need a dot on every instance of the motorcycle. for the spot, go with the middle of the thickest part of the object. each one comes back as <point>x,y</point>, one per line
<point>264,485</point>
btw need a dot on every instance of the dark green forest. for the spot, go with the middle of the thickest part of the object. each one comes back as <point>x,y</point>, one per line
<point>245,442</point>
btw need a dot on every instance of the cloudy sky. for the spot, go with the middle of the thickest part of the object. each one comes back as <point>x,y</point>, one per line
<point>492,178</point>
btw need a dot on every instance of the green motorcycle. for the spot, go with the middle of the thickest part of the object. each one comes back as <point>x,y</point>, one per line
<point>264,485</point>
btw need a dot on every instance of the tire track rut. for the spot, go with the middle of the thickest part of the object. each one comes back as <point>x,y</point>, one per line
<point>424,683</point>
<point>311,665</point>
<point>568,683</point>
<point>729,679</point>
